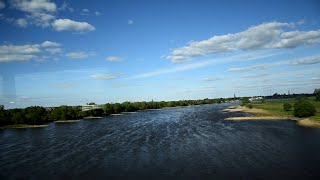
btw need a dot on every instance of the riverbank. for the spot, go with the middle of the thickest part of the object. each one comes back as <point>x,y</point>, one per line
<point>262,114</point>
<point>23,126</point>
<point>93,117</point>
<point>67,121</point>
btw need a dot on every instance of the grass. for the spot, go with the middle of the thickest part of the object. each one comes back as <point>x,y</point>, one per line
<point>275,107</point>
<point>22,126</point>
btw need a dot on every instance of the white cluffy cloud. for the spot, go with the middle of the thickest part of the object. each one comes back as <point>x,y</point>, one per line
<point>114,58</point>
<point>11,53</point>
<point>50,44</point>
<point>39,12</point>
<point>43,13</point>
<point>264,36</point>
<point>79,55</point>
<point>70,25</point>
<point>22,22</point>
<point>103,76</point>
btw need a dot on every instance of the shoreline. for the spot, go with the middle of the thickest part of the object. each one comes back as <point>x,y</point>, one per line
<point>93,117</point>
<point>261,114</point>
<point>66,121</point>
<point>24,126</point>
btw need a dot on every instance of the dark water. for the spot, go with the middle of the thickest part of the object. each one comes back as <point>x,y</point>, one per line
<point>180,143</point>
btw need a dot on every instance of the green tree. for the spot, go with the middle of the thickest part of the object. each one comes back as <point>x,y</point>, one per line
<point>35,115</point>
<point>303,108</point>
<point>317,94</point>
<point>245,101</point>
<point>287,106</point>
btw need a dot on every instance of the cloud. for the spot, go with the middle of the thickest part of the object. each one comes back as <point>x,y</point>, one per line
<point>114,58</point>
<point>210,62</point>
<point>255,76</point>
<point>27,52</point>
<point>249,68</point>
<point>43,13</point>
<point>21,22</point>
<point>50,44</point>
<point>39,12</point>
<point>70,25</point>
<point>54,50</point>
<point>33,6</point>
<point>130,21</point>
<point>78,55</point>
<point>212,78</point>
<point>307,61</point>
<point>85,10</point>
<point>97,13</point>
<point>2,5</point>
<point>103,76</point>
<point>270,35</point>
<point>16,57</point>
<point>65,6</point>
<point>9,53</point>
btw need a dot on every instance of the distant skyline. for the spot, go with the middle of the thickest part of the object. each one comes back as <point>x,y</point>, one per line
<point>73,52</point>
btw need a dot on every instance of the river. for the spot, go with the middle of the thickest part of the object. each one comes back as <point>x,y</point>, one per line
<point>179,143</point>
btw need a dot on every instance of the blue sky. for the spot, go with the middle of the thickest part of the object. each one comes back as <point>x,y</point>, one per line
<point>74,52</point>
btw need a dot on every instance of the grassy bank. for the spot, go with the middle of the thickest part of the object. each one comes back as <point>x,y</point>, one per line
<point>275,107</point>
<point>273,110</point>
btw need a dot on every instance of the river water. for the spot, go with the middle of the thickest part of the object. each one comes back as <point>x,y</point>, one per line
<point>179,143</point>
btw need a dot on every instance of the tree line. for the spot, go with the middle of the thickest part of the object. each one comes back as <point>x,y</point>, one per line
<point>39,115</point>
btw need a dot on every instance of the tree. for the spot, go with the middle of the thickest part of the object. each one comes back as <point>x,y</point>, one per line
<point>303,108</point>
<point>245,101</point>
<point>35,115</point>
<point>287,106</point>
<point>317,94</point>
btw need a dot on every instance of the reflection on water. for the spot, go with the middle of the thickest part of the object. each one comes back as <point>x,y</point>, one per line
<point>193,142</point>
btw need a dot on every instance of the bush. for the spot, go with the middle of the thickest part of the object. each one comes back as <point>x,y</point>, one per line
<point>249,106</point>
<point>287,106</point>
<point>245,101</point>
<point>303,108</point>
<point>317,94</point>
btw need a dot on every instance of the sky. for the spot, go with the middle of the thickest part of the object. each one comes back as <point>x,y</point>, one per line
<point>73,52</point>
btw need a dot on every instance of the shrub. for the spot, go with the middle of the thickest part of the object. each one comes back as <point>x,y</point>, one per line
<point>249,106</point>
<point>303,108</point>
<point>245,101</point>
<point>287,106</point>
<point>317,94</point>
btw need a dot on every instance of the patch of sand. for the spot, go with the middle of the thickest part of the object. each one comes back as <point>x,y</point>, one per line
<point>308,123</point>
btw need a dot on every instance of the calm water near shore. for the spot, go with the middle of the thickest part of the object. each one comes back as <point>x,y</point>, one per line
<point>186,143</point>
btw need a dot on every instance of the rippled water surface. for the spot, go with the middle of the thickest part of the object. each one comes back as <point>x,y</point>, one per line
<point>179,143</point>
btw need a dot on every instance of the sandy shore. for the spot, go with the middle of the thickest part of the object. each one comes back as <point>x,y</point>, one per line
<point>260,114</point>
<point>129,112</point>
<point>116,114</point>
<point>23,126</point>
<point>257,118</point>
<point>67,121</point>
<point>92,117</point>
<point>308,123</point>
